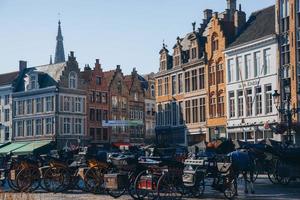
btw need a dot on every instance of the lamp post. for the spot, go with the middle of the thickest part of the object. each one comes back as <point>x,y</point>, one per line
<point>284,107</point>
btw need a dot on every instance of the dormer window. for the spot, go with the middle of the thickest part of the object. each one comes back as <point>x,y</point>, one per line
<point>215,42</point>
<point>163,62</point>
<point>31,82</point>
<point>176,57</point>
<point>73,80</point>
<point>194,50</point>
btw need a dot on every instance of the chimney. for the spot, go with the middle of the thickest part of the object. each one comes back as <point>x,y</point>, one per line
<point>87,67</point>
<point>134,72</point>
<point>231,5</point>
<point>239,21</point>
<point>207,14</point>
<point>71,56</point>
<point>22,65</point>
<point>216,14</point>
<point>97,65</point>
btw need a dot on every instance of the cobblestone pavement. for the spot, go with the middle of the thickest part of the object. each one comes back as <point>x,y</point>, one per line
<point>263,190</point>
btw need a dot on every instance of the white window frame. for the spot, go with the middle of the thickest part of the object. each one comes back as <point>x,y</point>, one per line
<point>73,80</point>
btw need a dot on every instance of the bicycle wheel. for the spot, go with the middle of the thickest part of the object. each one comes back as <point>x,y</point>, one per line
<point>131,188</point>
<point>23,180</point>
<point>167,188</point>
<point>116,193</point>
<point>94,180</point>
<point>28,179</point>
<point>55,179</point>
<point>12,181</point>
<point>139,186</point>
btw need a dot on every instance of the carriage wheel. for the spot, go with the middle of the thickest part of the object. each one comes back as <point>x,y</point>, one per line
<point>272,172</point>
<point>167,188</point>
<point>272,176</point>
<point>230,187</point>
<point>54,179</point>
<point>284,180</point>
<point>94,179</point>
<point>143,193</point>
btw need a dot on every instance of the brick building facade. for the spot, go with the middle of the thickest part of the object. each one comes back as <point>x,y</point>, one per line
<point>288,30</point>
<point>136,108</point>
<point>221,30</point>
<point>97,104</point>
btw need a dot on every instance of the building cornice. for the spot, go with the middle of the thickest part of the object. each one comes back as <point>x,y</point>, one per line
<point>267,40</point>
<point>34,92</point>
<point>6,87</point>
<point>181,67</point>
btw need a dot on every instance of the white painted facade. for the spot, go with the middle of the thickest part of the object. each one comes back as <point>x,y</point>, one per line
<point>252,77</point>
<point>5,113</point>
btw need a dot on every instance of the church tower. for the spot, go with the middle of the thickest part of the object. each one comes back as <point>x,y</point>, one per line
<point>59,50</point>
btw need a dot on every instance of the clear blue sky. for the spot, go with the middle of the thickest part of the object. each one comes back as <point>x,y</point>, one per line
<point>125,32</point>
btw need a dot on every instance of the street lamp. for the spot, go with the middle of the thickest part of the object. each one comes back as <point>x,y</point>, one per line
<point>276,97</point>
<point>284,108</point>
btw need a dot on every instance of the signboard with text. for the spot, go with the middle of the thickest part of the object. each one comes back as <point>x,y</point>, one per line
<point>120,123</point>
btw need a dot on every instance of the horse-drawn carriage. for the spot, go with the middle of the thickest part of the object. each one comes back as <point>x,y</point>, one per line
<point>200,169</point>
<point>287,167</point>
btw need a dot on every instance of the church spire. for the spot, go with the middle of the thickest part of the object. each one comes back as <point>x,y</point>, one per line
<point>59,50</point>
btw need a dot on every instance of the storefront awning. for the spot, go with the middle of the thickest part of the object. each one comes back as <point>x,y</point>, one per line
<point>11,147</point>
<point>31,147</point>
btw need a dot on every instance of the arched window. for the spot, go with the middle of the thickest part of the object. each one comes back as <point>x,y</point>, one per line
<point>152,91</point>
<point>72,80</point>
<point>215,42</point>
